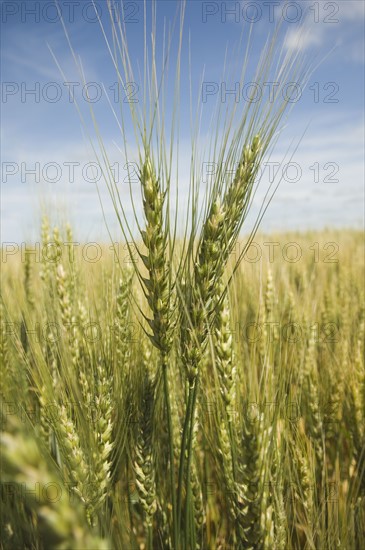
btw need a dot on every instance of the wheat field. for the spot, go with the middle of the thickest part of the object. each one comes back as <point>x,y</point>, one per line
<point>277,450</point>
<point>185,387</point>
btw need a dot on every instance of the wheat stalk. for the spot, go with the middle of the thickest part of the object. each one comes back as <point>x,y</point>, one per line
<point>144,454</point>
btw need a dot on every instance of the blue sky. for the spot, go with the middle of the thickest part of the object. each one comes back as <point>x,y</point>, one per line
<point>42,130</point>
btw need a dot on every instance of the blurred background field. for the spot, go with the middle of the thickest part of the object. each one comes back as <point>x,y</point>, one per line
<point>75,362</point>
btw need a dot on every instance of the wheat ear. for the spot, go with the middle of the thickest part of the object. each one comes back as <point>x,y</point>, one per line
<point>158,292</point>
<point>219,234</point>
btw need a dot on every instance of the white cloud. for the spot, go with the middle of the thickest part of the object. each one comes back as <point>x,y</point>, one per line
<point>301,204</point>
<point>335,28</point>
<point>303,37</point>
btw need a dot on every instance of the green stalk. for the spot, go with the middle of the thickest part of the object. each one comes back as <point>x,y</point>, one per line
<point>171,450</point>
<point>233,454</point>
<point>190,453</point>
<point>149,537</point>
<point>193,532</point>
<point>182,453</point>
